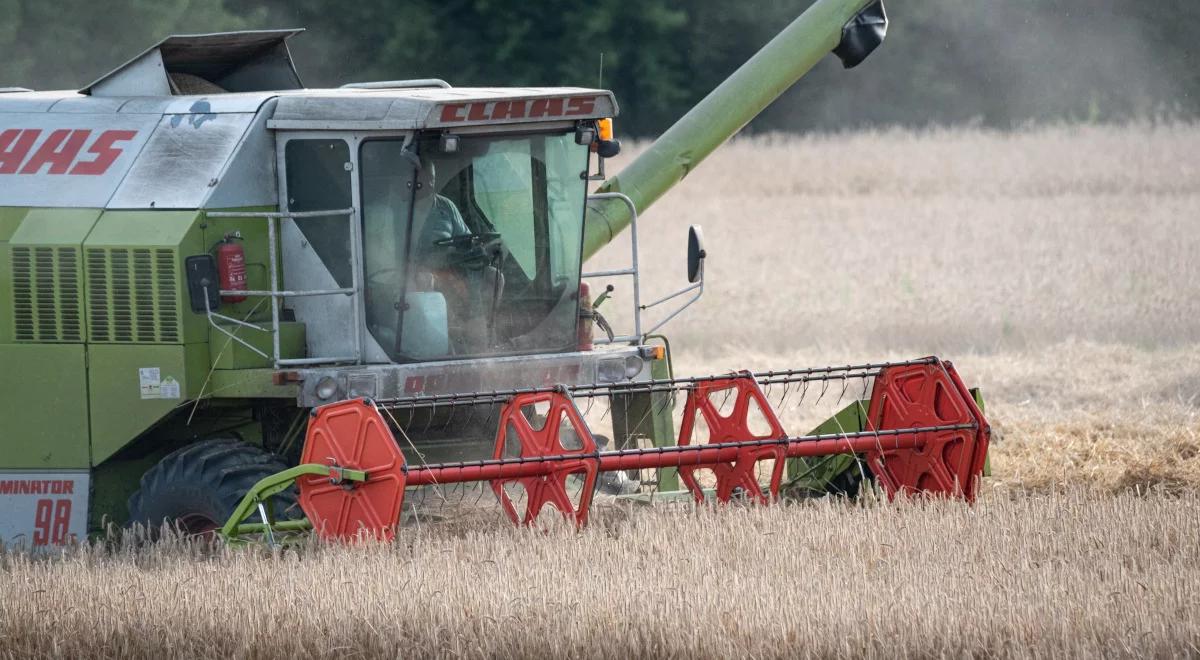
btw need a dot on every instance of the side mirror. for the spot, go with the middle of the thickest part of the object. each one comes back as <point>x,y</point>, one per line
<point>201,271</point>
<point>696,254</point>
<point>608,148</point>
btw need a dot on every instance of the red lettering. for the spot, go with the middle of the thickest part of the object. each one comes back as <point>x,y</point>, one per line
<point>41,522</point>
<point>51,522</point>
<point>62,522</point>
<point>508,110</point>
<point>105,151</point>
<point>58,151</point>
<point>450,112</point>
<point>14,147</point>
<point>581,105</point>
<point>37,487</point>
<point>477,112</point>
<point>546,108</point>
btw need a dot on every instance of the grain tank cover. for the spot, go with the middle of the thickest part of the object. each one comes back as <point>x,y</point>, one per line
<point>205,64</point>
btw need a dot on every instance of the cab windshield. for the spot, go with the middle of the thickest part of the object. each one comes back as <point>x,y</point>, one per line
<point>473,250</point>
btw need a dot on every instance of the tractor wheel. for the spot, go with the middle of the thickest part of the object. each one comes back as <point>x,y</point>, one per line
<point>198,487</point>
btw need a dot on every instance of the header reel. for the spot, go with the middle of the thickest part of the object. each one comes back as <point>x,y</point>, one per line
<point>921,433</point>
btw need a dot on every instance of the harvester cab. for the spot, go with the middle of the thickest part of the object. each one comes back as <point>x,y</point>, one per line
<point>261,308</point>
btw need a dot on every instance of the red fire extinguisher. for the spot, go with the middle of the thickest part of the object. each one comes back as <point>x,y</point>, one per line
<point>231,266</point>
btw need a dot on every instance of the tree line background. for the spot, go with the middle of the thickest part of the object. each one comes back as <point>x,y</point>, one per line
<point>998,62</point>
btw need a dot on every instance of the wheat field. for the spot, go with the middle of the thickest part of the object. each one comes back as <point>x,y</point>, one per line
<point>1056,266</point>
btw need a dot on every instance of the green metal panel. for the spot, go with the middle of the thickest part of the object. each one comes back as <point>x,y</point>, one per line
<point>719,116</point>
<point>808,476</point>
<point>977,394</point>
<point>43,405</point>
<point>228,354</point>
<point>136,293</point>
<point>45,276</point>
<point>10,220</point>
<point>249,384</point>
<point>125,402</point>
<point>647,415</point>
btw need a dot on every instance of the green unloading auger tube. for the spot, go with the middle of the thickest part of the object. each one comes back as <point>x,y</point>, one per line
<point>851,29</point>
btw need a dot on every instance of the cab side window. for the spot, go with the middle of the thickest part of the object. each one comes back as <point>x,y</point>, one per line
<point>318,179</point>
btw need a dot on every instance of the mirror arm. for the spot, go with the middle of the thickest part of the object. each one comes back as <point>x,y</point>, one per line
<point>689,288</point>
<point>698,287</point>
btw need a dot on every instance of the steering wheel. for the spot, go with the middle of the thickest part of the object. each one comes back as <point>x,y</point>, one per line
<point>472,248</point>
<point>464,241</point>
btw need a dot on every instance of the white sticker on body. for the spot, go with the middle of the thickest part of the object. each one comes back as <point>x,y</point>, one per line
<point>154,386</point>
<point>169,389</point>
<point>150,382</point>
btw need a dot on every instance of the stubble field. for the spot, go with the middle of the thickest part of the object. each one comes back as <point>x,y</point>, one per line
<point>1057,267</point>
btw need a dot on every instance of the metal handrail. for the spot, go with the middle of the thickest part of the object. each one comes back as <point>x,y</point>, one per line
<point>633,271</point>
<point>276,295</point>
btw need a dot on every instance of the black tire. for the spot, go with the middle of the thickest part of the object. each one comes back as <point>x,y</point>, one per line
<point>850,482</point>
<point>198,487</point>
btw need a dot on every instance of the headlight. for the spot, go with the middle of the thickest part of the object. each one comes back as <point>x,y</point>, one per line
<point>326,388</point>
<point>633,366</point>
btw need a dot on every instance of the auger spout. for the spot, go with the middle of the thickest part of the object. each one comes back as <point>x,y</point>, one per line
<point>849,28</point>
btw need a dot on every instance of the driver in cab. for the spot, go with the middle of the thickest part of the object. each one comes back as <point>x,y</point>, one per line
<point>442,221</point>
<point>453,262</point>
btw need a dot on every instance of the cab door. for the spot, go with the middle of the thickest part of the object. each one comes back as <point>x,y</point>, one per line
<point>317,173</point>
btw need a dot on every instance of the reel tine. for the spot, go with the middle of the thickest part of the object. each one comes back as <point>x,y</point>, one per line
<point>460,492</point>
<point>787,386</point>
<point>429,419</point>
<point>487,421</point>
<point>470,414</point>
<point>667,401</point>
<point>728,393</point>
<point>824,389</point>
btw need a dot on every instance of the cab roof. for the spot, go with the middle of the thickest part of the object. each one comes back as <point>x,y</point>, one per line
<point>346,108</point>
<point>238,72</point>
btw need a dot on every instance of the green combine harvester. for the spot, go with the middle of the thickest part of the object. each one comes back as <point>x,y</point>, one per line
<point>241,305</point>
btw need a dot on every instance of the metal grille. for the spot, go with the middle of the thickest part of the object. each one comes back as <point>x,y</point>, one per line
<point>132,295</point>
<point>46,298</point>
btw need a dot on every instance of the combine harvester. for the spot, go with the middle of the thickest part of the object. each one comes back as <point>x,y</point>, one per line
<point>212,273</point>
